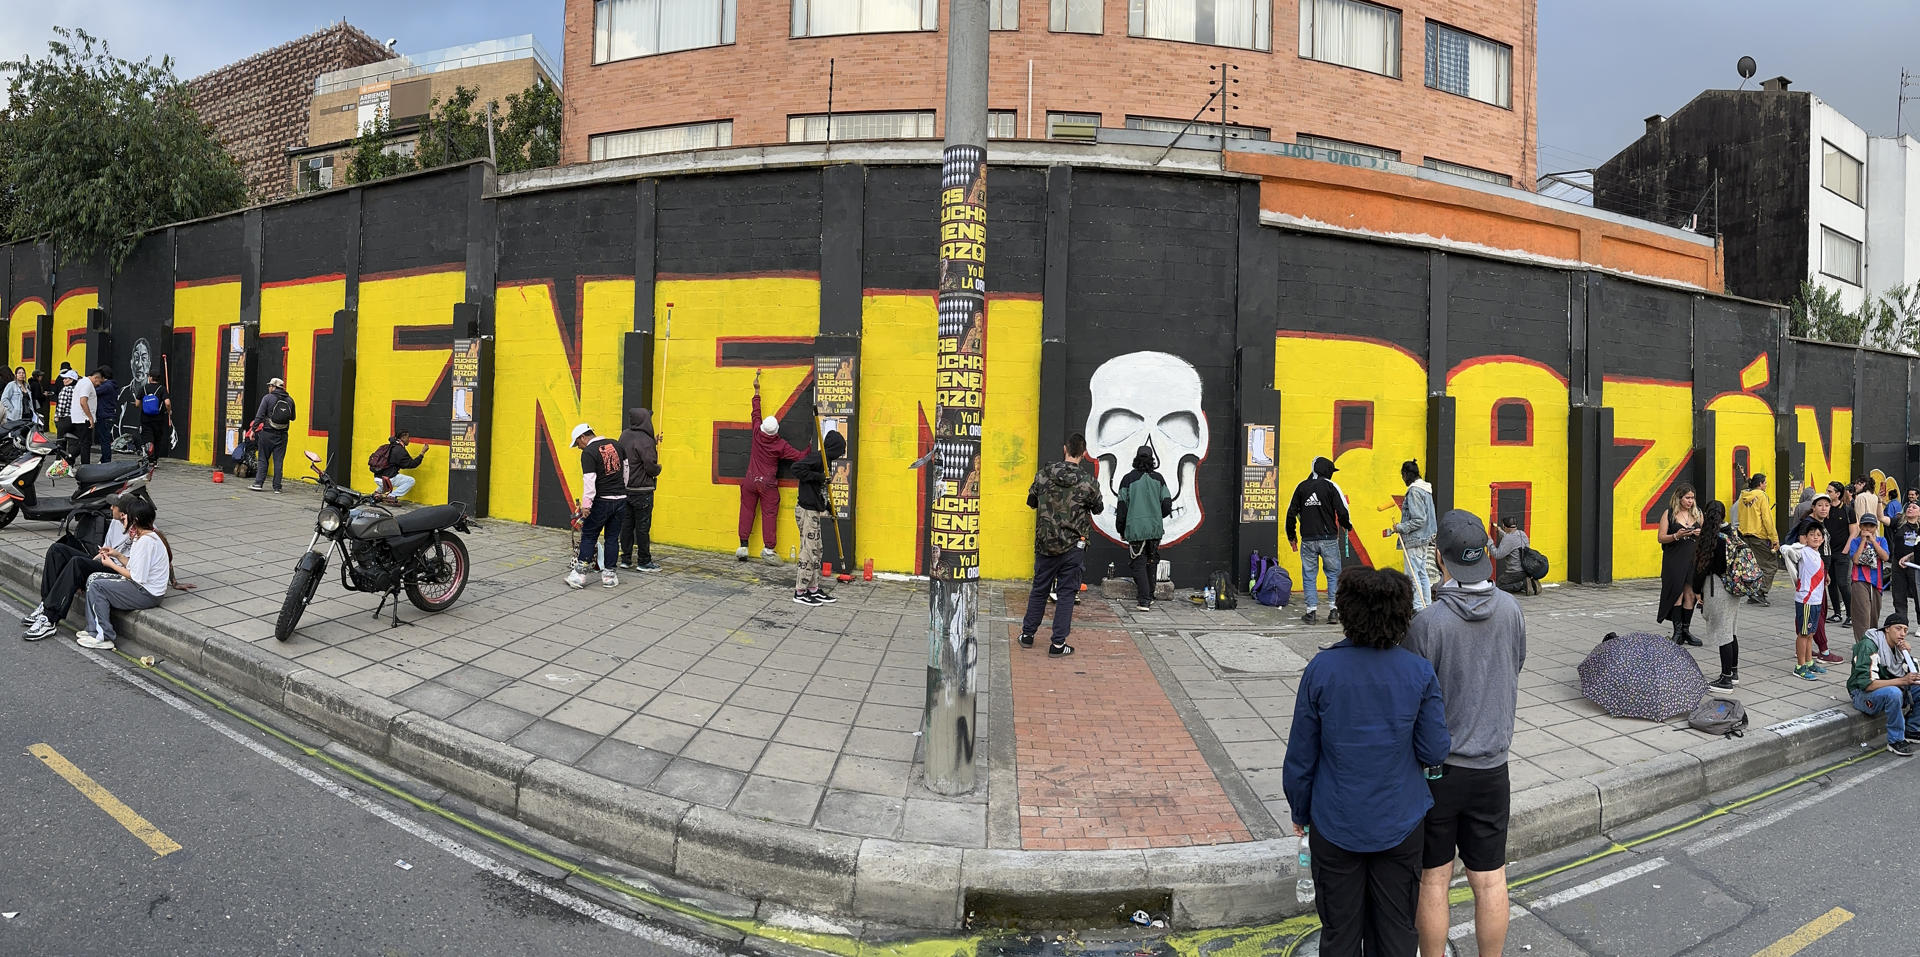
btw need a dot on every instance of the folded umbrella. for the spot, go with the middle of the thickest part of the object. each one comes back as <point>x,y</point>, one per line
<point>1642,676</point>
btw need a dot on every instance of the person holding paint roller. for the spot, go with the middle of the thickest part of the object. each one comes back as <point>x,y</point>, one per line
<point>761,490</point>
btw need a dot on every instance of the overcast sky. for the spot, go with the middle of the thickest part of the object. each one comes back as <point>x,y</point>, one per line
<point>1604,64</point>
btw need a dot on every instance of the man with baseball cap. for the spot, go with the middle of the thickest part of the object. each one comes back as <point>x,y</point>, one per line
<point>603,497</point>
<point>1885,682</point>
<point>272,420</point>
<point>1474,635</point>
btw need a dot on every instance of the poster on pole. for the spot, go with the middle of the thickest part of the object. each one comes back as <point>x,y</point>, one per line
<point>462,447</point>
<point>960,387</point>
<point>834,388</point>
<point>1259,477</point>
<point>235,385</point>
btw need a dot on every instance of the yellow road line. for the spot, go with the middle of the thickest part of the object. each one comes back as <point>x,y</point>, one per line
<point>1809,932</point>
<point>139,826</point>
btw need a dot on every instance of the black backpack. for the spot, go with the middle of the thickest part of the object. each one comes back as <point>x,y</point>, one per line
<point>1533,564</point>
<point>281,412</point>
<point>1223,593</point>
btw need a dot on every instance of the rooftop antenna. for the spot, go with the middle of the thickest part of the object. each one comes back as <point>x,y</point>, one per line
<point>1747,68</point>
<point>1907,79</point>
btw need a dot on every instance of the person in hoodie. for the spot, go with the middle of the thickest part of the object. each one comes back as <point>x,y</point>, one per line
<point>1065,499</point>
<point>1415,529</point>
<point>1509,552</point>
<point>1476,638</point>
<point>1144,504</point>
<point>761,490</point>
<point>641,445</point>
<point>388,480</point>
<point>1755,521</point>
<point>1318,514</point>
<point>812,471</point>
<point>1885,682</point>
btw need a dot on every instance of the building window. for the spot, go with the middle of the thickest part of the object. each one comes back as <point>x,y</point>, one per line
<point>1227,23</point>
<point>369,110</point>
<point>1840,173</point>
<point>661,139</point>
<point>1485,176</point>
<point>631,28</point>
<point>916,125</point>
<point>1001,124</point>
<point>1468,65</point>
<point>1364,36</point>
<point>1839,256</point>
<point>1202,128</point>
<point>1346,146</point>
<point>1003,14</point>
<point>1078,125</point>
<point>826,18</point>
<point>1075,16</point>
<point>316,172</point>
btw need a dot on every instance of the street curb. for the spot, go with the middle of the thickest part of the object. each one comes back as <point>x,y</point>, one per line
<point>898,883</point>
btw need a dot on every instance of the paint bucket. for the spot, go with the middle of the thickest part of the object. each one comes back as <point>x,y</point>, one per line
<point>219,477</point>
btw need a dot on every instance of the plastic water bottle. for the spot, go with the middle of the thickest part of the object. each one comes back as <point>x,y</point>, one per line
<point>1303,888</point>
<point>1211,598</point>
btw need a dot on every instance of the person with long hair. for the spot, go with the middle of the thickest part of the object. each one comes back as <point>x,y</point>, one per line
<point>1719,606</point>
<point>1366,721</point>
<point>1679,533</point>
<point>137,578</point>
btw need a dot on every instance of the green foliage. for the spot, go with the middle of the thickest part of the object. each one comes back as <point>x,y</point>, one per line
<point>374,154</point>
<point>452,132</point>
<point>529,136</point>
<point>1817,313</point>
<point>1894,319</point>
<point>96,150</point>
<point>1891,321</point>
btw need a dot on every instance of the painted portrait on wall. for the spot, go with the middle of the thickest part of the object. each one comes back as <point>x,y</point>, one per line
<point>1148,399</point>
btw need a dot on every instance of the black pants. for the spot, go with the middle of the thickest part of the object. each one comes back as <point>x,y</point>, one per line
<point>1367,899</point>
<point>636,528</point>
<point>1061,575</point>
<point>65,572</point>
<point>82,433</point>
<point>159,434</point>
<point>273,448</point>
<point>1839,598</point>
<point>1900,591</point>
<point>1144,563</point>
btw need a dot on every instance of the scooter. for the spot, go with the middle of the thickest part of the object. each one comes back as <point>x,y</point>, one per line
<point>96,484</point>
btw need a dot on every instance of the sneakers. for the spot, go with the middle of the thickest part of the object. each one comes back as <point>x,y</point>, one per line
<point>805,598</point>
<point>1333,616</point>
<point>1762,601</point>
<point>38,611</point>
<point>1312,617</point>
<point>822,598</point>
<point>1143,606</point>
<point>1026,641</point>
<point>1829,657</point>
<point>38,628</point>
<point>577,576</point>
<point>1805,671</point>
<point>770,556</point>
<point>1059,649</point>
<point>1900,748</point>
<point>87,639</point>
<point>647,567</point>
<point>1725,682</point>
<point>740,554</point>
<point>1814,666</point>
<point>256,488</point>
<point>608,579</point>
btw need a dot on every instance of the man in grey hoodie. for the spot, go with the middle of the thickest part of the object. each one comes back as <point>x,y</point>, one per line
<point>641,445</point>
<point>1476,639</point>
<point>1415,529</point>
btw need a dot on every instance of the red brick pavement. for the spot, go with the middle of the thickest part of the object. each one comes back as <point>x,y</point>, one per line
<point>1104,760</point>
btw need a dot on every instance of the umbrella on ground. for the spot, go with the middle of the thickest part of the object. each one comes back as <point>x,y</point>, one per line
<point>1642,676</point>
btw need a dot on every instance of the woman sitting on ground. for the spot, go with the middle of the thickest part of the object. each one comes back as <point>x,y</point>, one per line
<point>138,579</point>
<point>68,564</point>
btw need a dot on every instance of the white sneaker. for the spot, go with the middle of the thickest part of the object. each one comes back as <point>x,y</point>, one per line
<point>577,576</point>
<point>740,554</point>
<point>770,556</point>
<point>608,579</point>
<point>38,611</point>
<point>39,628</point>
<point>87,639</point>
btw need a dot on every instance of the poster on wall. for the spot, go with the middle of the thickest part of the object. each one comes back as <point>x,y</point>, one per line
<point>960,393</point>
<point>236,383</point>
<point>833,396</point>
<point>462,448</point>
<point>1259,477</point>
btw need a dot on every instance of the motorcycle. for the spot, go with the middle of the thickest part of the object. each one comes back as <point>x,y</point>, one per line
<point>385,553</point>
<point>96,484</point>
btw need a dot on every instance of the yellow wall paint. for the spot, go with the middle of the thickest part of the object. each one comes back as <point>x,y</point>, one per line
<point>298,311</point>
<point>387,376</point>
<point>1541,463</point>
<point>69,318</point>
<point>536,396</point>
<point>23,322</point>
<point>1395,382</point>
<point>1658,415</point>
<point>1829,458</point>
<point>1011,454</point>
<point>693,392</point>
<point>202,310</point>
<point>1740,420</point>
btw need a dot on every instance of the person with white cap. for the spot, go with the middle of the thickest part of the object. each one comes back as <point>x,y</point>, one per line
<point>761,489</point>
<point>63,399</point>
<point>603,497</point>
<point>273,419</point>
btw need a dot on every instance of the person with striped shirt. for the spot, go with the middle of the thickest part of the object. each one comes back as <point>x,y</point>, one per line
<point>1866,557</point>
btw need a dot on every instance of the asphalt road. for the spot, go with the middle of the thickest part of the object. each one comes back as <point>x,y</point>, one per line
<point>269,861</point>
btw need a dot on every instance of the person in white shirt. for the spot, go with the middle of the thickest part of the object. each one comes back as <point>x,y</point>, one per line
<point>138,578</point>
<point>69,563</point>
<point>81,414</point>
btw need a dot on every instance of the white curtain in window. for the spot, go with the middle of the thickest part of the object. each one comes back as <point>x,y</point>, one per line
<point>694,136</point>
<point>686,24</point>
<point>1840,256</point>
<point>1165,19</point>
<point>1489,71</point>
<point>1076,16</point>
<point>1358,35</point>
<point>1242,23</point>
<point>1003,15</point>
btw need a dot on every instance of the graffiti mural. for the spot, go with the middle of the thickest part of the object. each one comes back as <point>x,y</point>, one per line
<point>1147,399</point>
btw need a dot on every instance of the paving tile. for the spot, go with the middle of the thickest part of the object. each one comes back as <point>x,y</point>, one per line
<point>867,815</point>
<point>496,721</point>
<point>825,709</point>
<point>698,783</point>
<point>945,822</point>
<point>433,698</point>
<point>475,680</point>
<point>726,750</point>
<point>747,721</point>
<point>811,733</point>
<point>872,775</point>
<point>792,763</point>
<point>676,707</point>
<point>619,694</point>
<point>530,698</point>
<point>889,717</point>
<point>877,743</point>
<point>381,680</point>
<point>557,741</point>
<point>508,663</point>
<point>590,716</point>
<point>788,802</point>
<point>656,733</point>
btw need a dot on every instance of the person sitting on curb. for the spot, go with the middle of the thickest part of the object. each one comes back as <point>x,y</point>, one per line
<point>388,461</point>
<point>134,580</point>
<point>68,564</point>
<point>1885,682</point>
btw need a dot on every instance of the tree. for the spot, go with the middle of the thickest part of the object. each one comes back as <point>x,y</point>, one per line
<point>1817,313</point>
<point>96,150</point>
<point>1894,319</point>
<point>374,153</point>
<point>530,134</point>
<point>452,132</point>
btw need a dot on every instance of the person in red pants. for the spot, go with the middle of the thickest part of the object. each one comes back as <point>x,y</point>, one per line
<point>761,491</point>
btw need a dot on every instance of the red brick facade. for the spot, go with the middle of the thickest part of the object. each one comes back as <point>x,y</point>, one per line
<point>258,106</point>
<point>767,75</point>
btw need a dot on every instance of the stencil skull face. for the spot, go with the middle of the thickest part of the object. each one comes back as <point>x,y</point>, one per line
<point>1147,397</point>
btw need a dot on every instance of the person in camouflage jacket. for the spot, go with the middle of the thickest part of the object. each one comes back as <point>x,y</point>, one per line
<point>1065,499</point>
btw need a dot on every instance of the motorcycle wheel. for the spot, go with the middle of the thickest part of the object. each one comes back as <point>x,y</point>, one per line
<point>299,593</point>
<point>8,512</point>
<point>439,595</point>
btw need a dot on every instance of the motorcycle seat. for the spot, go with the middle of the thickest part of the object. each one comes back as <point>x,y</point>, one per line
<point>101,473</point>
<point>431,518</point>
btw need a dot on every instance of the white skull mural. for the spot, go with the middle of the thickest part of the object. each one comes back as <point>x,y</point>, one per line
<point>1141,398</point>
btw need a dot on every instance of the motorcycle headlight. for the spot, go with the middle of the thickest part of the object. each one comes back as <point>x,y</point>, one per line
<point>330,520</point>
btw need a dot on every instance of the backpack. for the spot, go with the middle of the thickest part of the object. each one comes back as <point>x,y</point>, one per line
<point>381,457</point>
<point>1722,716</point>
<point>1142,499</point>
<point>1533,564</point>
<point>1743,569</point>
<point>281,412</point>
<point>1224,594</point>
<point>150,403</point>
<point>1275,589</point>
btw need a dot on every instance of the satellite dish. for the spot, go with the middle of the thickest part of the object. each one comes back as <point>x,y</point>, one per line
<point>1747,67</point>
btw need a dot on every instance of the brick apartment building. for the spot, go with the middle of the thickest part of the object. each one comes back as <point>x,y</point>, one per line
<point>343,101</point>
<point>1448,84</point>
<point>258,106</point>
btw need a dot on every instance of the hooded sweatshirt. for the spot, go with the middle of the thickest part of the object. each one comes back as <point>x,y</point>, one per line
<point>643,455</point>
<point>1416,525</point>
<point>1755,515</point>
<point>763,463</point>
<point>1318,506</point>
<point>811,470</point>
<point>1477,640</point>
<point>1066,498</point>
<point>1154,498</point>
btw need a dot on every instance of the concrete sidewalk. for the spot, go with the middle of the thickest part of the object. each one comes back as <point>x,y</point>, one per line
<point>699,723</point>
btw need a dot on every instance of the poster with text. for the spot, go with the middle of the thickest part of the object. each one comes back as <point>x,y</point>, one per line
<point>1259,477</point>
<point>462,450</point>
